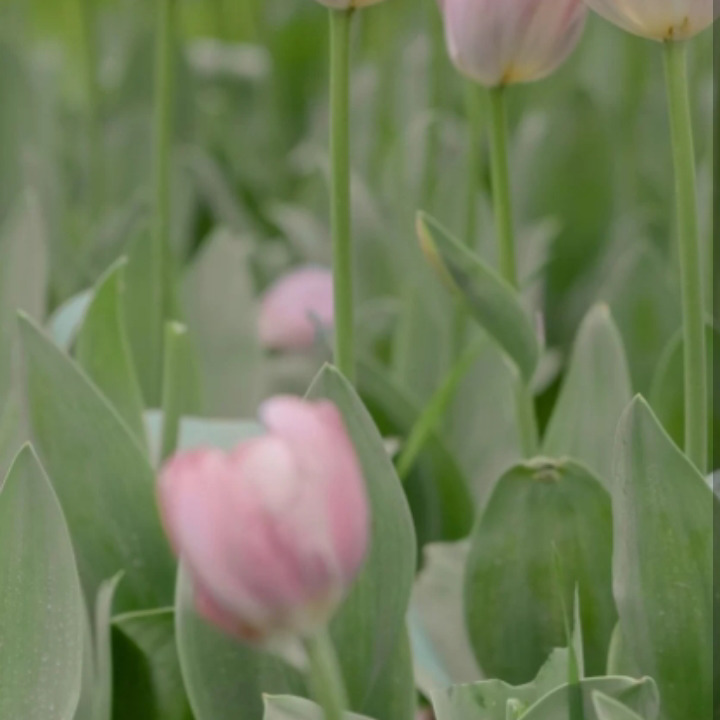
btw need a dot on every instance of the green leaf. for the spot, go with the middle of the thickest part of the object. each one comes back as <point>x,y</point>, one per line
<point>438,493</point>
<point>443,655</point>
<point>663,563</point>
<point>102,350</point>
<point>667,392</point>
<point>220,313</point>
<point>640,696</point>
<point>285,707</point>
<point>41,607</point>
<point>64,323</point>
<point>224,677</point>
<point>101,475</point>
<point>540,513</point>
<point>492,301</point>
<point>608,708</point>
<point>369,624</point>
<point>147,679</point>
<point>489,699</point>
<point>595,393</point>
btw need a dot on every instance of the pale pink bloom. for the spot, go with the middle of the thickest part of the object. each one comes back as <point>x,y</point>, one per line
<point>658,19</point>
<point>292,308</point>
<point>500,42</point>
<point>425,714</point>
<point>274,532</point>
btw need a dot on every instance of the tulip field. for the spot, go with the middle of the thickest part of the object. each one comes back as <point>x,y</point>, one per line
<point>356,360</point>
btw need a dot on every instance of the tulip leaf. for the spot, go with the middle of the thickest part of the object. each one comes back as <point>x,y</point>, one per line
<point>101,475</point>
<point>224,677</point>
<point>147,678</point>
<point>102,350</point>
<point>595,393</point>
<point>65,322</point>
<point>607,708</point>
<point>546,530</point>
<point>489,699</point>
<point>369,625</point>
<point>41,608</point>
<point>492,301</point>
<point>639,696</point>
<point>663,563</point>
<point>438,493</point>
<point>667,392</point>
<point>286,707</point>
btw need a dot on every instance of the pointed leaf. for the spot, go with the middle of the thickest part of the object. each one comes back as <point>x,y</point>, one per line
<point>492,301</point>
<point>102,350</point>
<point>540,512</point>
<point>608,708</point>
<point>369,624</point>
<point>102,477</point>
<point>663,563</point>
<point>41,607</point>
<point>595,393</point>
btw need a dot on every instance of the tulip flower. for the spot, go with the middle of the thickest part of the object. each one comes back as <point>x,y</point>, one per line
<point>274,532</point>
<point>658,19</point>
<point>292,307</point>
<point>512,41</point>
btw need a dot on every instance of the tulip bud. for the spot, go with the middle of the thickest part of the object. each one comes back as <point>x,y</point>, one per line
<point>291,308</point>
<point>348,4</point>
<point>273,533</point>
<point>501,42</point>
<point>658,19</point>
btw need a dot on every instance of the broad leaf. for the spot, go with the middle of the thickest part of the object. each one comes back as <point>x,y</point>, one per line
<point>64,323</point>
<point>492,301</point>
<point>102,477</point>
<point>641,696</point>
<point>285,707</point>
<point>595,393</point>
<point>489,699</point>
<point>102,350</point>
<point>663,563</point>
<point>41,606</point>
<point>368,626</point>
<point>542,514</point>
<point>147,678</point>
<point>608,708</point>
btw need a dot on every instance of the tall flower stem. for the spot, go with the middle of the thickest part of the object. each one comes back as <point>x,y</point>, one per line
<point>695,360</point>
<point>340,23</point>
<point>502,206</point>
<point>325,677</point>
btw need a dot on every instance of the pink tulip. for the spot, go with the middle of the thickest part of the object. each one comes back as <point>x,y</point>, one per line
<point>500,42</point>
<point>291,308</point>
<point>274,532</point>
<point>348,4</point>
<point>658,19</point>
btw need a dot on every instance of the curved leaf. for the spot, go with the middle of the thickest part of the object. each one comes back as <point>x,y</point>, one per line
<point>41,608</point>
<point>540,513</point>
<point>101,475</point>
<point>285,707</point>
<point>663,563</point>
<point>608,708</point>
<point>594,395</point>
<point>491,300</point>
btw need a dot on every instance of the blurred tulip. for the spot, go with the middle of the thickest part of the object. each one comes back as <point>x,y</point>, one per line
<point>273,533</point>
<point>658,19</point>
<point>501,42</point>
<point>348,4</point>
<point>292,307</point>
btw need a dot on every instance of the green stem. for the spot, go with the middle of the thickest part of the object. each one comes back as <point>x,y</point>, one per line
<point>501,185</point>
<point>325,676</point>
<point>340,23</point>
<point>502,205</point>
<point>696,401</point>
<point>175,385</point>
<point>434,411</point>
<point>92,91</point>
